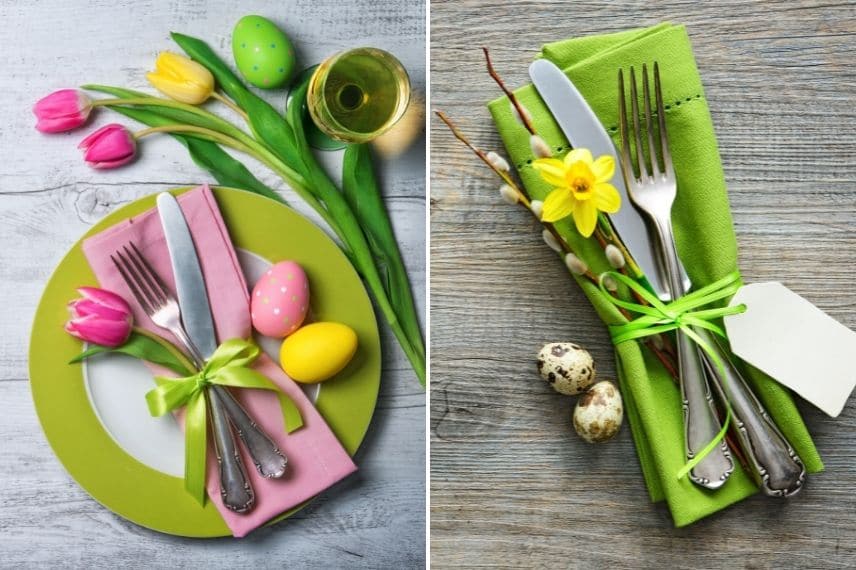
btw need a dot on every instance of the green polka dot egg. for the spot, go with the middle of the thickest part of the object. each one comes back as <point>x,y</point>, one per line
<point>264,55</point>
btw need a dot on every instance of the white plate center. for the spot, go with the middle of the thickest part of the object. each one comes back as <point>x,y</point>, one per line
<point>117,385</point>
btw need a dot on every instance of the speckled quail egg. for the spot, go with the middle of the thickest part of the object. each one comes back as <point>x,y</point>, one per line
<point>567,367</point>
<point>598,413</point>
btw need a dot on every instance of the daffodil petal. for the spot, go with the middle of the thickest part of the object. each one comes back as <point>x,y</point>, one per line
<point>578,155</point>
<point>603,168</point>
<point>552,170</point>
<point>559,204</point>
<point>585,217</point>
<point>606,198</point>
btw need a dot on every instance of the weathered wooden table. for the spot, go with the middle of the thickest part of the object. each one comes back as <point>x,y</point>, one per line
<point>511,484</point>
<point>49,198</point>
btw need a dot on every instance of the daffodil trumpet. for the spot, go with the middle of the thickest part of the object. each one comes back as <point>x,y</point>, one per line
<point>581,188</point>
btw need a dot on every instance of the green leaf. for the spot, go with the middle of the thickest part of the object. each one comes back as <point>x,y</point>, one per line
<point>358,239</point>
<point>140,346</point>
<point>362,192</point>
<point>265,121</point>
<point>226,169</point>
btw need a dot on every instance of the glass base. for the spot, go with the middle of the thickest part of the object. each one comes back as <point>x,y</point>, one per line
<point>317,138</point>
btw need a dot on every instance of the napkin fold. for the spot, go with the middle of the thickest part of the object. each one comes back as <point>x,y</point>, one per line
<point>316,459</point>
<point>703,231</point>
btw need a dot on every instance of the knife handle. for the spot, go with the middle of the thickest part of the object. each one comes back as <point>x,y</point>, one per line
<point>269,460</point>
<point>776,467</point>
<point>235,488</point>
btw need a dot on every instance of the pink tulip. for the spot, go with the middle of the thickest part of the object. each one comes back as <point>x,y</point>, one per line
<point>100,317</point>
<point>110,146</point>
<point>62,110</point>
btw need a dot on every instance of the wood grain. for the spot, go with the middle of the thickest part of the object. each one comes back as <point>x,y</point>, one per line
<point>511,484</point>
<point>49,198</point>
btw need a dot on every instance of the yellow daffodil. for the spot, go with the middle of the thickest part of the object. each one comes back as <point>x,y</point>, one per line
<point>582,188</point>
<point>181,78</point>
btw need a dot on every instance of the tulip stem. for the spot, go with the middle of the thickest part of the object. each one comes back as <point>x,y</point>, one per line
<point>231,104</point>
<point>224,126</point>
<point>260,153</point>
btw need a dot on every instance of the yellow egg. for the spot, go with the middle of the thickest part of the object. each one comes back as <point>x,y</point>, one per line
<point>317,352</point>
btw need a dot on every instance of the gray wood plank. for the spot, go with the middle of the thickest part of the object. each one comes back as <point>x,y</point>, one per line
<point>511,484</point>
<point>48,198</point>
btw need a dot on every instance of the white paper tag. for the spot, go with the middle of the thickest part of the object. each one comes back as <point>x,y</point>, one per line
<point>795,343</point>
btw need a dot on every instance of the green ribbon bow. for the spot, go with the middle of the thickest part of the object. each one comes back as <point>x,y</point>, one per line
<point>228,366</point>
<point>683,314</point>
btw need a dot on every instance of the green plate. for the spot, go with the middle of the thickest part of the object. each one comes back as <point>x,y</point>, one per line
<point>118,481</point>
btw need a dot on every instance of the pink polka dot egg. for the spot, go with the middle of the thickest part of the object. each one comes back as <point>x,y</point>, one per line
<point>280,300</point>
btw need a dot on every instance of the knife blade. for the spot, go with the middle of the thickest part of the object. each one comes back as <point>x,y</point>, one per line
<point>189,281</point>
<point>196,315</point>
<point>583,129</point>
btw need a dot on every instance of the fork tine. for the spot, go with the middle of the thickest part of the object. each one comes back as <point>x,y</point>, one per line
<point>152,286</point>
<point>161,286</point>
<point>634,108</point>
<point>661,117</point>
<point>123,267</point>
<point>626,164</point>
<point>152,300</point>
<point>655,150</point>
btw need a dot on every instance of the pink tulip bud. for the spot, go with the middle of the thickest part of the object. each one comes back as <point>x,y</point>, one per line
<point>62,110</point>
<point>110,146</point>
<point>100,317</point>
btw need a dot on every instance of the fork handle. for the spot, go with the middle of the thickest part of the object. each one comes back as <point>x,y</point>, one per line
<point>701,424</point>
<point>268,459</point>
<point>774,464</point>
<point>235,488</point>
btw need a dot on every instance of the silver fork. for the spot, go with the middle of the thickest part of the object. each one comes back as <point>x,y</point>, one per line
<point>654,193</point>
<point>772,461</point>
<point>270,462</point>
<point>162,308</point>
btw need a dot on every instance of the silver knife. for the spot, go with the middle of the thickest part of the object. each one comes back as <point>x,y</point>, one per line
<point>193,299</point>
<point>775,465</point>
<point>583,130</point>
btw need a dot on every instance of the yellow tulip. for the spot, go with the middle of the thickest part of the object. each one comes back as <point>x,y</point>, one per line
<point>181,78</point>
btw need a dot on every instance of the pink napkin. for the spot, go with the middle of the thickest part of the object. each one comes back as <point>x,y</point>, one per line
<point>316,459</point>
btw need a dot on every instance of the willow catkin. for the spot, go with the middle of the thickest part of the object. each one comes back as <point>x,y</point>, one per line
<point>509,194</point>
<point>498,162</point>
<point>614,256</point>
<point>539,147</point>
<point>575,265</point>
<point>551,241</point>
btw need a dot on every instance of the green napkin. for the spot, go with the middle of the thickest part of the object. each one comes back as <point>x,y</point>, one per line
<point>704,234</point>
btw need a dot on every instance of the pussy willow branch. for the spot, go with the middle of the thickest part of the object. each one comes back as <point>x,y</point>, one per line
<point>522,195</point>
<point>506,177</point>
<point>604,232</point>
<point>661,355</point>
<point>524,116</point>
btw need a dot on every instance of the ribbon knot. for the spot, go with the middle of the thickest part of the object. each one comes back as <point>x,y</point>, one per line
<point>228,366</point>
<point>684,314</point>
